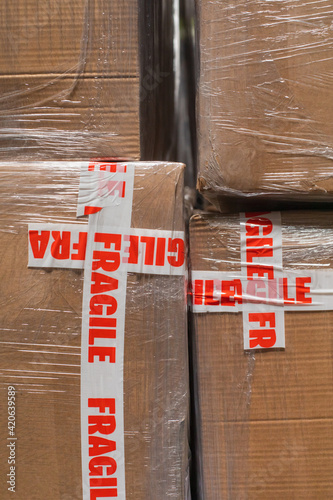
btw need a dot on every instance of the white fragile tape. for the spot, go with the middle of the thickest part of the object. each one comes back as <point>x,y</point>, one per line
<point>261,259</point>
<point>103,328</point>
<point>262,291</point>
<point>103,185</point>
<point>57,245</point>
<point>146,251</point>
<point>296,290</point>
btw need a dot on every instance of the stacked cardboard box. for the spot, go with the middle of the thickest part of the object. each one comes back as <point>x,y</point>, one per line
<point>265,100</point>
<point>264,418</point>
<point>69,79</point>
<point>86,79</point>
<point>41,343</point>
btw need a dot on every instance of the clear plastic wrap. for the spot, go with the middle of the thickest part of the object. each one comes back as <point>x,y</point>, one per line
<point>265,99</point>
<point>41,343</point>
<point>69,79</point>
<point>86,79</point>
<point>264,418</point>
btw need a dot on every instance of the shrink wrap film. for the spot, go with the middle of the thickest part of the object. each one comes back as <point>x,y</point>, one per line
<point>83,79</point>
<point>265,100</point>
<point>264,418</point>
<point>41,343</point>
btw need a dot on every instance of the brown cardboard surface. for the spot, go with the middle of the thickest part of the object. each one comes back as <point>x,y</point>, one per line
<point>265,419</point>
<point>62,36</point>
<point>69,66</point>
<point>40,343</point>
<point>285,460</point>
<point>61,117</point>
<point>265,99</point>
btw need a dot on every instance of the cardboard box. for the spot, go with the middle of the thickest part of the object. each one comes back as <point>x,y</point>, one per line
<point>41,342</point>
<point>265,100</point>
<point>70,79</point>
<point>264,417</point>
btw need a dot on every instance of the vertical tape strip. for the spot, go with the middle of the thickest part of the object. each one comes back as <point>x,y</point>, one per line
<point>103,326</point>
<point>261,262</point>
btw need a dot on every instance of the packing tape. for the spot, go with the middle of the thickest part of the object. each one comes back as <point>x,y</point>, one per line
<point>262,291</point>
